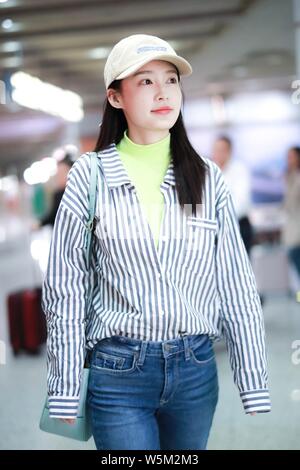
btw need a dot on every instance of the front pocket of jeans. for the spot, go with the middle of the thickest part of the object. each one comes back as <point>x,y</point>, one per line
<point>202,362</point>
<point>203,353</point>
<point>114,363</point>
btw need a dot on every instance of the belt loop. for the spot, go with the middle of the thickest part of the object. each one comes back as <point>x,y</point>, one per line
<point>142,354</point>
<point>186,347</point>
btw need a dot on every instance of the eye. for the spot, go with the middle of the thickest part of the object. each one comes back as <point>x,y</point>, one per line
<point>174,79</point>
<point>145,80</point>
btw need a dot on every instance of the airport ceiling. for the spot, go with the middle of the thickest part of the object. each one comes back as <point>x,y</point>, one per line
<point>233,45</point>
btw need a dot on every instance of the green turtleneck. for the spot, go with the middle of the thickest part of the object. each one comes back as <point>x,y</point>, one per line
<point>146,166</point>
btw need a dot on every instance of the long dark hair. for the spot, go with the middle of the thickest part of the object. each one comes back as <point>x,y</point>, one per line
<point>189,168</point>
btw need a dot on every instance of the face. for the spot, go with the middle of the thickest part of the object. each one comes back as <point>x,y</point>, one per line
<point>153,86</point>
<point>221,152</point>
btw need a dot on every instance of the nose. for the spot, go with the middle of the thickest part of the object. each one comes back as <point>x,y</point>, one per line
<point>161,92</point>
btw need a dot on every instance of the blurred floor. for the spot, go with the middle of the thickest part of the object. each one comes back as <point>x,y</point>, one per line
<point>22,379</point>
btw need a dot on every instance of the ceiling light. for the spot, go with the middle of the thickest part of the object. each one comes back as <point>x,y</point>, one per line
<point>10,25</point>
<point>7,24</point>
<point>10,46</point>
<point>33,93</point>
<point>12,62</point>
<point>99,53</point>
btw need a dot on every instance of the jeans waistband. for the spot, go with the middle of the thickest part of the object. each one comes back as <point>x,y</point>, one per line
<point>167,348</point>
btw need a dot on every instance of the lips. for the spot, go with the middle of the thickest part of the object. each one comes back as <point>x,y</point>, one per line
<point>164,110</point>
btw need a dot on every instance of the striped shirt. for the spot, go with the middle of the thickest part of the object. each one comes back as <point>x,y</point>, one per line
<point>198,280</point>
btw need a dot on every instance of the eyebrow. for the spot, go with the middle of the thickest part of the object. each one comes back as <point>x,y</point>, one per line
<point>150,71</point>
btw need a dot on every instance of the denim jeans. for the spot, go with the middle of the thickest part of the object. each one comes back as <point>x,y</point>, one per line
<point>152,395</point>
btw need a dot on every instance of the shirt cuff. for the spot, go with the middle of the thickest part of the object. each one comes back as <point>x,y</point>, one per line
<point>63,407</point>
<point>256,401</point>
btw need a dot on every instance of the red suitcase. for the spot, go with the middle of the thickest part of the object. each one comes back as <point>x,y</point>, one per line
<point>31,320</point>
<point>27,324</point>
<point>15,323</point>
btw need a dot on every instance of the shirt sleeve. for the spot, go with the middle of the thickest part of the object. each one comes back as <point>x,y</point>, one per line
<point>241,312</point>
<point>64,295</point>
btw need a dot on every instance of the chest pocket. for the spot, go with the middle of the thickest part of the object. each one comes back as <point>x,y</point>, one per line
<point>199,244</point>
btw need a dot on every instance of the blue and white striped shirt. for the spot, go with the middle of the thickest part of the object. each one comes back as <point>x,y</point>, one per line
<point>197,281</point>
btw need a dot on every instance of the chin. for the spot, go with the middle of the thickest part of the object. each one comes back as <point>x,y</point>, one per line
<point>162,126</point>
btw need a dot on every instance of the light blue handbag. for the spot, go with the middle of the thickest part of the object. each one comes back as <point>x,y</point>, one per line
<point>81,429</point>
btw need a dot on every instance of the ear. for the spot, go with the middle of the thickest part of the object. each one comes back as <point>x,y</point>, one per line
<point>114,98</point>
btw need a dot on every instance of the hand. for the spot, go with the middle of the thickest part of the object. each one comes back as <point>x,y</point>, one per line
<point>68,420</point>
<point>253,413</point>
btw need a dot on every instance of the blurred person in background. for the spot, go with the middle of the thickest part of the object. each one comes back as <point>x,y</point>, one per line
<point>291,205</point>
<point>63,168</point>
<point>238,179</point>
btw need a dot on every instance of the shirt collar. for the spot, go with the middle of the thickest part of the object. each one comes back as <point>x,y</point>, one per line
<point>115,172</point>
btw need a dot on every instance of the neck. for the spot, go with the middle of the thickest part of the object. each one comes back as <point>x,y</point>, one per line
<point>145,136</point>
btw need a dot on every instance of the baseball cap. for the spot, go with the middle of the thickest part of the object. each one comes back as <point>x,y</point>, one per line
<point>132,52</point>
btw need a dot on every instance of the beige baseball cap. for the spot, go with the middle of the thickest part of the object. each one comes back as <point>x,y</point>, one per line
<point>132,52</point>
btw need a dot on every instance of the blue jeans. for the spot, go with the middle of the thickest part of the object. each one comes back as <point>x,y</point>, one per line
<point>152,395</point>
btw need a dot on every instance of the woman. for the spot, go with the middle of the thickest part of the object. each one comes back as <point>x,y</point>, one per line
<point>171,271</point>
<point>291,230</point>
